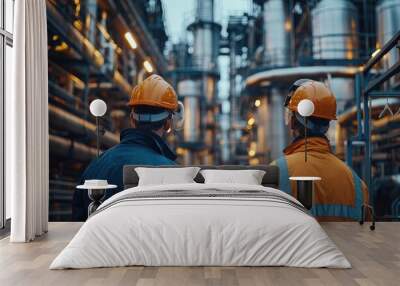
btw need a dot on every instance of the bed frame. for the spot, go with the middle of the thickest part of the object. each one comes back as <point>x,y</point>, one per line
<point>270,179</point>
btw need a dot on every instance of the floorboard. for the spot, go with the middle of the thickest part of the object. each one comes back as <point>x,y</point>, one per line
<point>374,255</point>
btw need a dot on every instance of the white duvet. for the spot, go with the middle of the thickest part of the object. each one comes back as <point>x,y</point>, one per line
<point>203,231</point>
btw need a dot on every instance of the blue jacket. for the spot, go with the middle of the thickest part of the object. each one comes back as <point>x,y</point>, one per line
<point>136,147</point>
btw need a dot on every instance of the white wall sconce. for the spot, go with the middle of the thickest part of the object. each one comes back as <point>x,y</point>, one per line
<point>98,108</point>
<point>305,108</point>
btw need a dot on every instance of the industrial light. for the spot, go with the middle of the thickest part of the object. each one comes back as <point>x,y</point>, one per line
<point>131,40</point>
<point>288,25</point>
<point>148,67</point>
<point>257,103</point>
<point>251,121</point>
<point>376,52</point>
<point>61,47</point>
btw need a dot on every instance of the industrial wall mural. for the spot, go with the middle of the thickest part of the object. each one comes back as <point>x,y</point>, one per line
<point>103,49</point>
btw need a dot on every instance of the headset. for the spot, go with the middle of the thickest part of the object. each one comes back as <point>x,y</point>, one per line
<point>177,116</point>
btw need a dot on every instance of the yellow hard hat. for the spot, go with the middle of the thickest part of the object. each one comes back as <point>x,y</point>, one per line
<point>154,91</point>
<point>320,95</point>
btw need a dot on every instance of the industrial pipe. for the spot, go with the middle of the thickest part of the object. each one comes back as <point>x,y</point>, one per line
<point>291,74</point>
<point>68,148</point>
<point>66,121</point>
<point>82,45</point>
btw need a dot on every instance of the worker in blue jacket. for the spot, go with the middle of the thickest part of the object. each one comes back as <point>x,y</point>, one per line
<point>155,111</point>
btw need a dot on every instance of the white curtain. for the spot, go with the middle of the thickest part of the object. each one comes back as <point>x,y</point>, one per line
<point>27,124</point>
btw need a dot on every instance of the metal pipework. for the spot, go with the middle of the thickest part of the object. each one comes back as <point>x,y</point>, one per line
<point>277,27</point>
<point>262,127</point>
<point>205,36</point>
<point>106,48</point>
<point>90,19</point>
<point>192,119</point>
<point>67,148</point>
<point>272,134</point>
<point>388,23</point>
<point>205,10</point>
<point>334,29</point>
<point>277,132</point>
<point>205,52</point>
<point>63,120</point>
<point>189,89</point>
<point>289,75</point>
<point>82,45</point>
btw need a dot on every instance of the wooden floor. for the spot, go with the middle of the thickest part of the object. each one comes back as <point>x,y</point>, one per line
<point>375,257</point>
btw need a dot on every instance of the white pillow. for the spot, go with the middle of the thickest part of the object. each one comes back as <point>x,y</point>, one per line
<point>248,177</point>
<point>166,176</point>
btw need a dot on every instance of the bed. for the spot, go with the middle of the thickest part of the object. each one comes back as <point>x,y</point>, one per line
<point>197,224</point>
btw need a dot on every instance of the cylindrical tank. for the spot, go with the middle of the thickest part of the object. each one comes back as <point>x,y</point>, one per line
<point>200,107</point>
<point>388,23</point>
<point>334,29</point>
<point>343,89</point>
<point>277,27</point>
<point>272,133</point>
<point>205,10</point>
<point>203,55</point>
<point>205,36</point>
<point>277,130</point>
<point>192,125</point>
<point>189,89</point>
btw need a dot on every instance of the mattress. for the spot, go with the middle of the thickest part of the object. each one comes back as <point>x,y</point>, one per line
<point>201,225</point>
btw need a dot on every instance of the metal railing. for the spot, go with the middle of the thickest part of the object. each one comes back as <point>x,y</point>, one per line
<point>367,82</point>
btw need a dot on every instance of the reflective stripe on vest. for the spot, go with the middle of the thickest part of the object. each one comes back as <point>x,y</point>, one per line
<point>336,210</point>
<point>284,183</point>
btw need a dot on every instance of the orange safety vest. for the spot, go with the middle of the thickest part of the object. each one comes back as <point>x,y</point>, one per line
<point>340,193</point>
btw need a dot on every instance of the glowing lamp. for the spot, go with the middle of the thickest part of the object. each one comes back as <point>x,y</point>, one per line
<point>148,66</point>
<point>131,40</point>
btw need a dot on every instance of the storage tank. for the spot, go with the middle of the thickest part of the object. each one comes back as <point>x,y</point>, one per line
<point>189,90</point>
<point>334,30</point>
<point>277,130</point>
<point>205,35</point>
<point>272,133</point>
<point>277,27</point>
<point>388,23</point>
<point>205,10</point>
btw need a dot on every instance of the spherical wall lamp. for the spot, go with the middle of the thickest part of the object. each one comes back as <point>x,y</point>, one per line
<point>305,108</point>
<point>98,108</point>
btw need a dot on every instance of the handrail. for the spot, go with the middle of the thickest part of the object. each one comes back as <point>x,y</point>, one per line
<point>384,50</point>
<point>382,78</point>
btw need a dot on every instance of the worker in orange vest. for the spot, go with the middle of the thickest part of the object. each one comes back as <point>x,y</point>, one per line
<point>340,194</point>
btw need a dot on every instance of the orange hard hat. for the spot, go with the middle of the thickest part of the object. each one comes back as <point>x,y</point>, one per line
<point>154,91</point>
<point>323,99</point>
